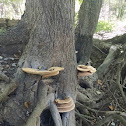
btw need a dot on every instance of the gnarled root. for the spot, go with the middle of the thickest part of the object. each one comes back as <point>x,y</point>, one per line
<point>55,114</point>
<point>6,89</point>
<point>42,103</point>
<point>4,77</point>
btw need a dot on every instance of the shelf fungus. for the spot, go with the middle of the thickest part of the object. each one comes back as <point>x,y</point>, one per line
<point>85,70</point>
<point>53,71</point>
<point>65,105</point>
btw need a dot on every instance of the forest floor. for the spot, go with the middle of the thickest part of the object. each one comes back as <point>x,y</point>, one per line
<point>118,29</point>
<point>8,64</point>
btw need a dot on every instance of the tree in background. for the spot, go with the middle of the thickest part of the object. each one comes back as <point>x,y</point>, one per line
<point>11,9</point>
<point>87,22</point>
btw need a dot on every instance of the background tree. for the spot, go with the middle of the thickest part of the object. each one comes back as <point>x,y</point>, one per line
<point>87,22</point>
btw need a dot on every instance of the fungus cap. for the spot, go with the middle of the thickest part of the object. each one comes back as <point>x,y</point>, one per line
<point>85,70</point>
<point>51,74</point>
<point>62,110</point>
<point>64,105</point>
<point>82,68</point>
<point>37,71</point>
<point>56,69</point>
<point>63,101</point>
<point>53,71</point>
<point>81,74</point>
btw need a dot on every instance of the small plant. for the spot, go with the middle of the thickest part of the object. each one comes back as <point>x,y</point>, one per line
<point>76,19</point>
<point>2,30</point>
<point>104,26</point>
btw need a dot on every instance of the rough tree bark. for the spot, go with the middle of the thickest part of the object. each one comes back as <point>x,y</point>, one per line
<point>51,43</point>
<point>88,18</point>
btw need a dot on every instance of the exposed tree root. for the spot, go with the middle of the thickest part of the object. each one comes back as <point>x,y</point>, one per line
<point>55,114</point>
<point>4,77</point>
<point>102,46</point>
<point>102,112</point>
<point>83,118</point>
<point>103,121</point>
<point>65,118</point>
<point>105,66</point>
<point>118,83</point>
<point>6,89</point>
<point>105,45</point>
<point>85,96</point>
<point>42,103</point>
<point>84,99</point>
<point>108,118</point>
<point>108,115</point>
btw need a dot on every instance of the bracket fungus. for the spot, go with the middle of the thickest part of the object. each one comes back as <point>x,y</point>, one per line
<point>85,70</point>
<point>53,71</point>
<point>65,105</point>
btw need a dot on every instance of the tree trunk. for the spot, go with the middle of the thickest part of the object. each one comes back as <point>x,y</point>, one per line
<point>88,18</point>
<point>51,43</point>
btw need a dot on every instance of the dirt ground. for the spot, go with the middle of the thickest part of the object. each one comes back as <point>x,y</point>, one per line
<point>118,29</point>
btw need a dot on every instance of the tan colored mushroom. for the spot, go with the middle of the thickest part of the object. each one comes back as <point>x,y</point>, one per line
<point>65,105</point>
<point>82,68</point>
<point>85,70</point>
<point>67,109</point>
<point>82,74</point>
<point>51,74</point>
<point>53,71</point>
<point>37,71</point>
<point>56,69</point>
<point>63,101</point>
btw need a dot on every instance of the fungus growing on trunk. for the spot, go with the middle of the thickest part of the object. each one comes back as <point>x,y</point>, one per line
<point>65,105</point>
<point>53,71</point>
<point>85,70</point>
